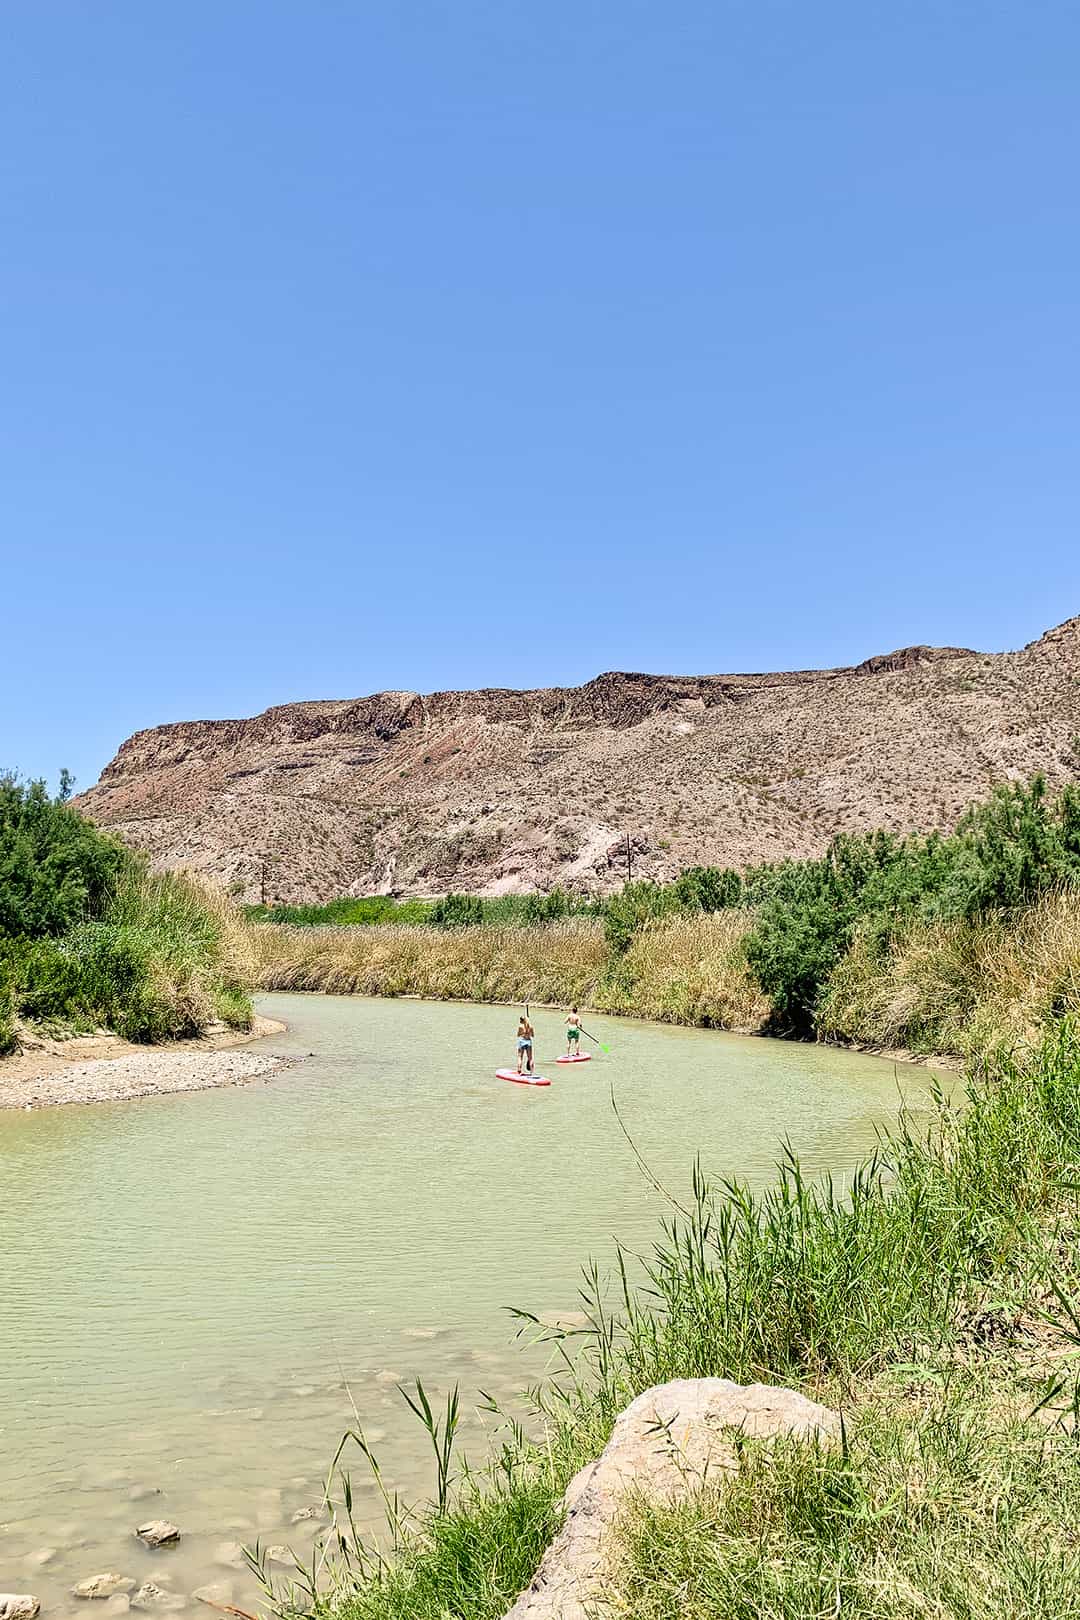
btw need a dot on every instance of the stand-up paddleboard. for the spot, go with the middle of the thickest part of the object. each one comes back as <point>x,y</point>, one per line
<point>521,1079</point>
<point>582,1057</point>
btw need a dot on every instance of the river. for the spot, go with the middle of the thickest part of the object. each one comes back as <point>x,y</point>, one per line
<point>196,1289</point>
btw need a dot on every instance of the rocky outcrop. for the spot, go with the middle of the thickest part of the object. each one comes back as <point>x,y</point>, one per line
<point>18,1606</point>
<point>498,791</point>
<point>667,1443</point>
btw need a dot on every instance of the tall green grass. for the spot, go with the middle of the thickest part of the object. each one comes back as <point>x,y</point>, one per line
<point>449,911</point>
<point>163,960</point>
<point>834,1288</point>
<point>960,1511</point>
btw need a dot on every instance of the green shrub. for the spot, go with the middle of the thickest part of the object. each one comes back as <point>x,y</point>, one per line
<point>347,912</point>
<point>628,911</point>
<point>708,888</point>
<point>55,868</point>
<point>457,911</point>
<point>8,1039</point>
<point>89,937</point>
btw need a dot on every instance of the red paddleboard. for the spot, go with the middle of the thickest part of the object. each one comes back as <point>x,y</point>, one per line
<point>521,1079</point>
<point>582,1057</point>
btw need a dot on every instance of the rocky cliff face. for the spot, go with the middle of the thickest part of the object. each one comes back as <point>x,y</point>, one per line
<point>500,790</point>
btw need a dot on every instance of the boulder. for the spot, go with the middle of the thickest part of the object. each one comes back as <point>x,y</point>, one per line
<point>665,1445</point>
<point>158,1533</point>
<point>103,1586</point>
<point>18,1606</point>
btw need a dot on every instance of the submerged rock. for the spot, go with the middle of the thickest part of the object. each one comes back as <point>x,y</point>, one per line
<point>152,1596</point>
<point>18,1606</point>
<point>214,1592</point>
<point>103,1586</point>
<point>662,1447</point>
<point>158,1533</point>
<point>230,1555</point>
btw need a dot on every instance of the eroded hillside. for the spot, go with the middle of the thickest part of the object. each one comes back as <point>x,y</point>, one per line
<point>500,790</point>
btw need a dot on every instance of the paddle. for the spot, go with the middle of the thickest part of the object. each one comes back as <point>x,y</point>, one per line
<point>600,1044</point>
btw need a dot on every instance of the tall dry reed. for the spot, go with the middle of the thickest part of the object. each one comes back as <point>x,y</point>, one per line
<point>681,970</point>
<point>964,986</point>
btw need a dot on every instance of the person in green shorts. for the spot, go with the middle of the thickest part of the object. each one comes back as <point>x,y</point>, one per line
<point>573,1033</point>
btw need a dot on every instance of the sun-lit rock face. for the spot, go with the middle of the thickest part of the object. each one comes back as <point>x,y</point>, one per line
<point>498,791</point>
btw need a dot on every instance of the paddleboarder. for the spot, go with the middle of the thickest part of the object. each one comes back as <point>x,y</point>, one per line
<point>525,1033</point>
<point>573,1032</point>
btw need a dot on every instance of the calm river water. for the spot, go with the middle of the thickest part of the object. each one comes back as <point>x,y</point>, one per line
<point>195,1287</point>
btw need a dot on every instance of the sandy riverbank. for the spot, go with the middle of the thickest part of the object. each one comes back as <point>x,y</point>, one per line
<point>104,1068</point>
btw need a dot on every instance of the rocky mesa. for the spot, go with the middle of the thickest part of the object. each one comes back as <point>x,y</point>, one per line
<point>497,790</point>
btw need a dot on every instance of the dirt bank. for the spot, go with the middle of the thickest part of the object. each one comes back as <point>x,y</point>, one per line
<point>104,1068</point>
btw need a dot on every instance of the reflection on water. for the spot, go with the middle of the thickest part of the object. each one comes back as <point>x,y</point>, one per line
<point>197,1288</point>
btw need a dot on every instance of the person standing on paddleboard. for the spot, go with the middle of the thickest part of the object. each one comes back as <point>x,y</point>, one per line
<point>525,1035</point>
<point>573,1033</point>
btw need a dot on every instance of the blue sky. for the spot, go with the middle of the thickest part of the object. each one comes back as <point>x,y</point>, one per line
<point>350,346</point>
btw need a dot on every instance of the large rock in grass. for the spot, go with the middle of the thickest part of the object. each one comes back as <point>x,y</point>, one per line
<point>663,1446</point>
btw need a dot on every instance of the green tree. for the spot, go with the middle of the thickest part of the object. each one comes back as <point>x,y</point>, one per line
<point>55,868</point>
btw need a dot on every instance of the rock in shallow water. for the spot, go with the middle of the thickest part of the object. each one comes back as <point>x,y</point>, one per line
<point>152,1596</point>
<point>18,1606</point>
<point>158,1533</point>
<point>214,1592</point>
<point>230,1554</point>
<point>103,1586</point>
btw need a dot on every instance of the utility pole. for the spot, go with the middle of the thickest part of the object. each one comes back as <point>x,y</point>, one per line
<point>629,861</point>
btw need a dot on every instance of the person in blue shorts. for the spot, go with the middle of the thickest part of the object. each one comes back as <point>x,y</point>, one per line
<point>525,1035</point>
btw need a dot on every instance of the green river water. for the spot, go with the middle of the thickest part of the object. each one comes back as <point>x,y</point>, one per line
<point>195,1288</point>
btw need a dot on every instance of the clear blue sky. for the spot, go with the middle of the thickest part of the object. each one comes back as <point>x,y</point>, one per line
<point>360,345</point>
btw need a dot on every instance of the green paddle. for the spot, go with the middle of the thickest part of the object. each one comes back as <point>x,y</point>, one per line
<point>600,1044</point>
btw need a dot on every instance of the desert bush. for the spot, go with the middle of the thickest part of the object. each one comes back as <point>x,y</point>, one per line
<point>89,937</point>
<point>55,868</point>
<point>457,911</point>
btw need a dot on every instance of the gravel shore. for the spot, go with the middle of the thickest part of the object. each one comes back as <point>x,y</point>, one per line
<point>49,1073</point>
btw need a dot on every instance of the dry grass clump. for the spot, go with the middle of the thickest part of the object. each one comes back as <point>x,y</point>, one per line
<point>688,969</point>
<point>553,962</point>
<point>964,986</point>
<point>679,970</point>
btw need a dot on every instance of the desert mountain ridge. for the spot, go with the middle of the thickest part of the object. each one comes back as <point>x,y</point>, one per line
<point>499,790</point>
